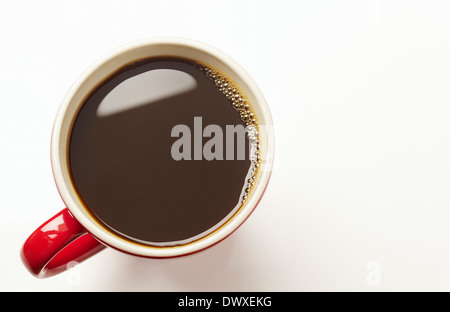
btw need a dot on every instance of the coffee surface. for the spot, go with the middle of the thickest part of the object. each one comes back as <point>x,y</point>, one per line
<point>120,156</point>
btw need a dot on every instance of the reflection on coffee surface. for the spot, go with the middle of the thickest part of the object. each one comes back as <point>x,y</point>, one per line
<point>164,151</point>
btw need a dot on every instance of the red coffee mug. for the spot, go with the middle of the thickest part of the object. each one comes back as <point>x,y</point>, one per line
<point>73,234</point>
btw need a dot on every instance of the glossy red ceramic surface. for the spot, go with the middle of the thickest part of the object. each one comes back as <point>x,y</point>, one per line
<point>58,244</point>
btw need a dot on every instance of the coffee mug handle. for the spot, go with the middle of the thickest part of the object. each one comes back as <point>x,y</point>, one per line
<point>57,245</point>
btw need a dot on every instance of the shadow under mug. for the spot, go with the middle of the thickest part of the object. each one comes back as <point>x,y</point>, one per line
<point>73,234</point>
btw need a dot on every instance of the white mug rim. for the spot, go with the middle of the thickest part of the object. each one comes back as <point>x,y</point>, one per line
<point>89,223</point>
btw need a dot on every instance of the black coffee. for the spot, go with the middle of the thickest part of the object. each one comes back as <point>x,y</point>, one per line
<point>137,169</point>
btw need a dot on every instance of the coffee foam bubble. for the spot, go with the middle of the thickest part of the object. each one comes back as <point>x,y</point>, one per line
<point>242,105</point>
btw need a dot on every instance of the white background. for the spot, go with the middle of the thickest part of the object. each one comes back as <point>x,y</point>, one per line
<point>359,91</point>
